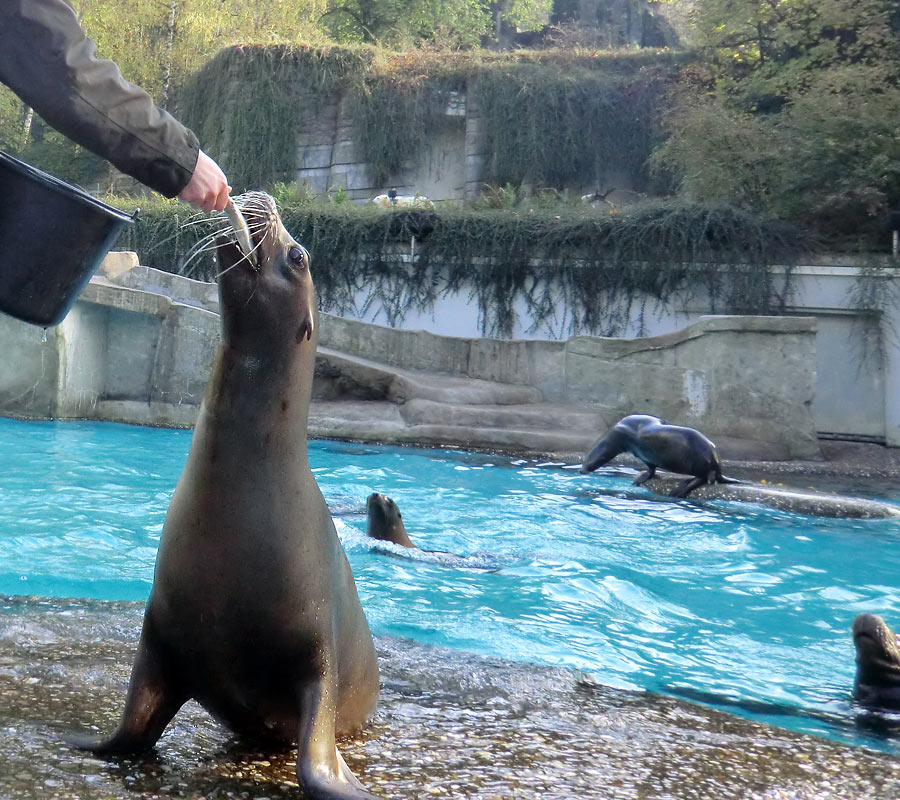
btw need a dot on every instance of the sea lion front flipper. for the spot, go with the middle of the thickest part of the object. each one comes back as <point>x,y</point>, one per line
<point>645,476</point>
<point>151,703</point>
<point>321,770</point>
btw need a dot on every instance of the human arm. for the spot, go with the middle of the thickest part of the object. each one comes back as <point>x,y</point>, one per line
<point>47,60</point>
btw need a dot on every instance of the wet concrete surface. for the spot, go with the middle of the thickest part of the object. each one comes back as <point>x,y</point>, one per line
<point>449,724</point>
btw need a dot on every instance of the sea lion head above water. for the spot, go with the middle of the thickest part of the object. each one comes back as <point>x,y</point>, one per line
<point>269,293</point>
<point>385,522</point>
<point>877,683</point>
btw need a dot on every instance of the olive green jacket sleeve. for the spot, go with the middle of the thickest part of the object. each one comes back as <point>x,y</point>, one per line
<point>46,59</point>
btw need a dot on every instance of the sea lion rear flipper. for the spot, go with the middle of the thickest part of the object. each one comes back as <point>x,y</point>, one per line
<point>151,703</point>
<point>688,486</point>
<point>645,475</point>
<point>321,770</point>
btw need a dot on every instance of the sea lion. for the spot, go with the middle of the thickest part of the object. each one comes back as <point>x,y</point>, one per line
<point>877,683</point>
<point>253,610</point>
<point>671,447</point>
<point>385,522</point>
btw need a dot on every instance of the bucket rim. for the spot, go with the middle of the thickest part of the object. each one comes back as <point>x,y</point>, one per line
<point>60,186</point>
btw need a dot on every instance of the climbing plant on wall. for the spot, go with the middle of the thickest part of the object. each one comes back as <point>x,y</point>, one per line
<point>550,117</point>
<point>245,104</point>
<point>551,126</point>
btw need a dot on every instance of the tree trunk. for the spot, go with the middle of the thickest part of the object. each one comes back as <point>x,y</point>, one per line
<point>26,128</point>
<point>170,46</point>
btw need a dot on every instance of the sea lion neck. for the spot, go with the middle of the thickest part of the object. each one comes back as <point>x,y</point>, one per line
<point>249,389</point>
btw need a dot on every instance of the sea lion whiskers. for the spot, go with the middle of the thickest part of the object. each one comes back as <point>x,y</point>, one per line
<point>213,239</point>
<point>205,243</point>
<point>224,228</point>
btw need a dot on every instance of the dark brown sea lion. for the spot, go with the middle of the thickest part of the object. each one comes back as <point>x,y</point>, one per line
<point>877,683</point>
<point>385,522</point>
<point>671,447</point>
<point>253,611</point>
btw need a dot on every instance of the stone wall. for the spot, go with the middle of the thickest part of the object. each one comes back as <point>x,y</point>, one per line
<point>328,160</point>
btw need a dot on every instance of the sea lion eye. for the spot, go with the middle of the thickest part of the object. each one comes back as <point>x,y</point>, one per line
<point>297,255</point>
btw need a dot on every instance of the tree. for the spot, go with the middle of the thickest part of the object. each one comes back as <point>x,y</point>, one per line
<point>452,22</point>
<point>792,112</point>
<point>765,51</point>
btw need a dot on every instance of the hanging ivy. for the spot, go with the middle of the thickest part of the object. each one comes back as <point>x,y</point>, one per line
<point>554,127</point>
<point>577,270</point>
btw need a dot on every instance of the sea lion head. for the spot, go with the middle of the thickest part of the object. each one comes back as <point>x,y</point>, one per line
<point>383,516</point>
<point>877,662</point>
<point>617,440</point>
<point>385,522</point>
<point>268,294</point>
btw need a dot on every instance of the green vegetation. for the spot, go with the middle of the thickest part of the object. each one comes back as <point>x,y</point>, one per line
<point>265,90</point>
<point>596,108</point>
<point>602,267</point>
<point>783,119</point>
<point>791,112</point>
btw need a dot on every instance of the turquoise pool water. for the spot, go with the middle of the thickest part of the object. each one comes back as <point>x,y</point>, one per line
<point>734,601</point>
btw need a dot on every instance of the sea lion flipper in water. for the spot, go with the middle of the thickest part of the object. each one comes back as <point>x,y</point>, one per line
<point>645,475</point>
<point>254,612</point>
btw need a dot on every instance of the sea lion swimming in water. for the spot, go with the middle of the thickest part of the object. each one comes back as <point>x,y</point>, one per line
<point>671,447</point>
<point>385,522</point>
<point>877,683</point>
<point>254,611</point>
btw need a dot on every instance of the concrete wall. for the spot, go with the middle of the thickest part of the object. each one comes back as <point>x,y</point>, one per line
<point>735,378</point>
<point>120,354</point>
<point>857,355</point>
<point>143,356</point>
<point>454,166</point>
<point>328,159</point>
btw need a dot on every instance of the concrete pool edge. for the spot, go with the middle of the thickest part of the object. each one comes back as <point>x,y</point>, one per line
<point>449,722</point>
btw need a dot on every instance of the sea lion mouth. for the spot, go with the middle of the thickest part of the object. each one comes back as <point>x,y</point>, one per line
<point>241,231</point>
<point>254,218</point>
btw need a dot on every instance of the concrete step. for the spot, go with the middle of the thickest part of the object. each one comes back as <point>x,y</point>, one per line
<point>533,416</point>
<point>523,430</point>
<point>343,375</point>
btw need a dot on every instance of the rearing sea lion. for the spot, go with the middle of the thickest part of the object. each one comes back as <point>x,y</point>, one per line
<point>672,447</point>
<point>253,611</point>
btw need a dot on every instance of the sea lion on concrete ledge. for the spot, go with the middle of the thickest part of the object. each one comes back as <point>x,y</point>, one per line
<point>253,611</point>
<point>385,522</point>
<point>672,447</point>
<point>877,683</point>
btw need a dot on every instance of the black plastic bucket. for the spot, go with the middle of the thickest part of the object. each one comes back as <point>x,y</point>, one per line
<point>52,238</point>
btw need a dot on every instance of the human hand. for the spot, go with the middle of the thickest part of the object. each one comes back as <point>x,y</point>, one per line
<point>208,187</point>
